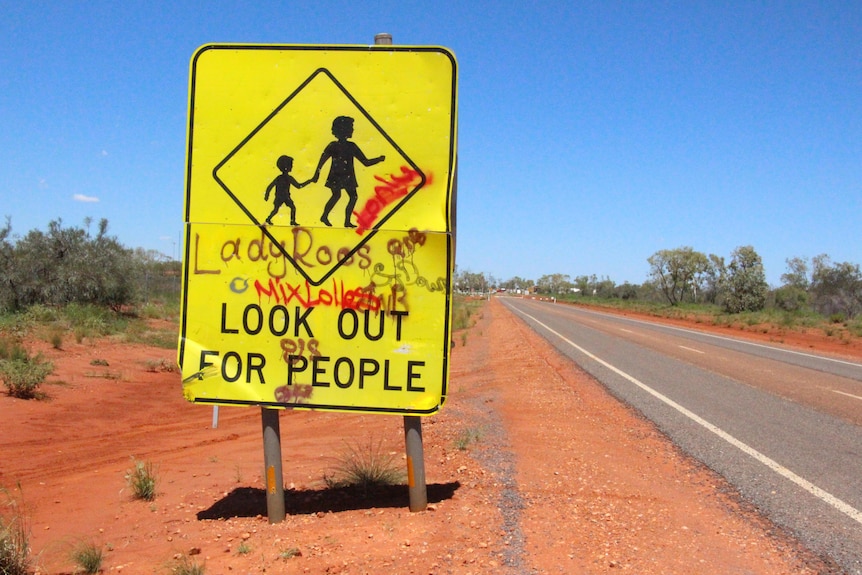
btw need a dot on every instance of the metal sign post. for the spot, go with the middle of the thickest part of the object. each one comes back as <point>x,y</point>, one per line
<point>272,464</point>
<point>416,486</point>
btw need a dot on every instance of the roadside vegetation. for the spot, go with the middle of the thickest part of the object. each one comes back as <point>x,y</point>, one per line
<point>141,479</point>
<point>73,284</point>
<point>14,537</point>
<point>464,310</point>
<point>467,437</point>
<point>20,371</point>
<point>184,565</point>
<point>366,467</point>
<point>87,557</point>
<point>815,293</point>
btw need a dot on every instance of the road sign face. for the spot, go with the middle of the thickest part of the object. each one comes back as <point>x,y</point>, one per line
<point>318,212</point>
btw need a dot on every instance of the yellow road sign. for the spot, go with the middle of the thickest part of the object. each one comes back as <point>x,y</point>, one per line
<point>318,211</point>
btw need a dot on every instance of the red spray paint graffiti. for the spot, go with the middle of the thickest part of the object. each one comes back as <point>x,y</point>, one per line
<point>308,296</point>
<point>392,189</point>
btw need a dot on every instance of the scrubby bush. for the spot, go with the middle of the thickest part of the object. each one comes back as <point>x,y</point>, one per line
<point>836,288</point>
<point>66,265</point>
<point>22,373</point>
<point>790,298</point>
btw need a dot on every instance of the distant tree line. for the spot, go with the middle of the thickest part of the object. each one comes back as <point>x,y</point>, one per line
<point>66,265</point>
<point>684,275</point>
<point>73,265</point>
<point>828,288</point>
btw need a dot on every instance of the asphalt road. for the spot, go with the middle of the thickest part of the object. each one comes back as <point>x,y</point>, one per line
<point>783,427</point>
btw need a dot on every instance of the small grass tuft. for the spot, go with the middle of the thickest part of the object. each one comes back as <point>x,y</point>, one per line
<point>466,437</point>
<point>142,480</point>
<point>290,553</point>
<point>186,566</point>
<point>56,338</point>
<point>365,467</point>
<point>14,539</point>
<point>161,366</point>
<point>87,558</point>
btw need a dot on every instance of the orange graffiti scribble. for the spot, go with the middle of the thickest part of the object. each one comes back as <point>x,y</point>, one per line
<point>392,189</point>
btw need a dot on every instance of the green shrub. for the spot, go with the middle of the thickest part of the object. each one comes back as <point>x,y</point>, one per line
<point>39,313</point>
<point>141,479</point>
<point>790,298</point>
<point>21,373</point>
<point>66,265</point>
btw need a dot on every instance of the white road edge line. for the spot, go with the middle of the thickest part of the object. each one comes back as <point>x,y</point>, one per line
<point>692,349</point>
<point>824,496</point>
<point>845,393</point>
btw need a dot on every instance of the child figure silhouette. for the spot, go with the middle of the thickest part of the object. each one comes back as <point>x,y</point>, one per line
<point>342,175</point>
<point>282,183</point>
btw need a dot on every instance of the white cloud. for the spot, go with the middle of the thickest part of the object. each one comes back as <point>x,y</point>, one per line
<point>83,198</point>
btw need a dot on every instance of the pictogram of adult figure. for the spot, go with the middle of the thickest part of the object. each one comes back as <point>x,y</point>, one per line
<point>342,175</point>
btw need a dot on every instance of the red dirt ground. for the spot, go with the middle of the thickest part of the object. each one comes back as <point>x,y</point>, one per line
<point>560,477</point>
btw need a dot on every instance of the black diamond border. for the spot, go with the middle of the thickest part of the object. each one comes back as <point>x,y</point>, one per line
<point>371,233</point>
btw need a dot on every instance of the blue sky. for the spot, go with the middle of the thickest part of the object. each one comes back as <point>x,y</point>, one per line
<point>591,134</point>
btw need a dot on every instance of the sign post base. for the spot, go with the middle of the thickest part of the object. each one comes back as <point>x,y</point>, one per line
<point>272,463</point>
<point>415,463</point>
